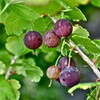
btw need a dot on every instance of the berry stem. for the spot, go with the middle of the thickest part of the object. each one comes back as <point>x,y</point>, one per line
<point>69,55</point>
<point>50,83</point>
<point>56,63</point>
<point>13,60</point>
<point>85,58</point>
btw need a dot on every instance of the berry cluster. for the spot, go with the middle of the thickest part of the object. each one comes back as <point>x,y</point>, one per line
<point>67,74</point>
<point>62,28</point>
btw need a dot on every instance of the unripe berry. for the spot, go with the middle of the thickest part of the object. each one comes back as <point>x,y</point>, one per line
<point>33,40</point>
<point>50,39</point>
<point>53,72</point>
<point>63,28</point>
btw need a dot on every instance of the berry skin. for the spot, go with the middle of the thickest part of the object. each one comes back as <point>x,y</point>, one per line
<point>63,28</point>
<point>53,72</point>
<point>50,39</point>
<point>33,40</point>
<point>63,63</point>
<point>69,76</point>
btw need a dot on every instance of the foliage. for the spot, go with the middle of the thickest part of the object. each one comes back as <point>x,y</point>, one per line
<point>16,18</point>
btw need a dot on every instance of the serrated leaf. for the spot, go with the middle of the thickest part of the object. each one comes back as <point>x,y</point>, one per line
<point>20,18</point>
<point>80,31</point>
<point>16,46</point>
<point>92,95</point>
<point>83,86</point>
<point>24,12</point>
<point>7,91</point>
<point>75,14</point>
<point>15,86</point>
<point>29,69</point>
<point>34,74</point>
<point>87,43</point>
<point>2,67</point>
<point>96,2</point>
<point>16,25</point>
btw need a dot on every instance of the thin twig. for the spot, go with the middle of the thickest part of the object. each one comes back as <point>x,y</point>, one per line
<point>10,67</point>
<point>85,58</point>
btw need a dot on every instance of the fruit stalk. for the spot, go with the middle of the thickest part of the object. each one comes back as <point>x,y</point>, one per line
<point>10,67</point>
<point>85,58</point>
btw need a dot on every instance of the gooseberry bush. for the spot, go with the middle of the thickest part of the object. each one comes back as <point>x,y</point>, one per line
<point>31,27</point>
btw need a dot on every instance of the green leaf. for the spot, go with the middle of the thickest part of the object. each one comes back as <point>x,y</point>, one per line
<point>98,61</point>
<point>5,57</point>
<point>28,68</point>
<point>24,12</point>
<point>7,91</point>
<point>34,73</point>
<point>87,43</point>
<point>74,3</point>
<point>96,2</point>
<point>97,41</point>
<point>50,9</point>
<point>80,31</point>
<point>62,3</point>
<point>15,86</point>
<point>41,24</point>
<point>92,95</point>
<point>51,56</point>
<point>46,49</point>
<point>83,86</point>
<point>75,14</point>
<point>71,3</point>
<point>5,14</point>
<point>16,46</point>
<point>20,18</point>
<point>2,67</point>
<point>84,2</point>
<point>16,25</point>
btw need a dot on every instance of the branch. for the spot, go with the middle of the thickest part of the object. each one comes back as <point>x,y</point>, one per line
<point>10,67</point>
<point>85,58</point>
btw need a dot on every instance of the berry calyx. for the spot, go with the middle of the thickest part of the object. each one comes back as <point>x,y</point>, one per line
<point>69,76</point>
<point>63,28</point>
<point>50,39</point>
<point>33,40</point>
<point>53,72</point>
